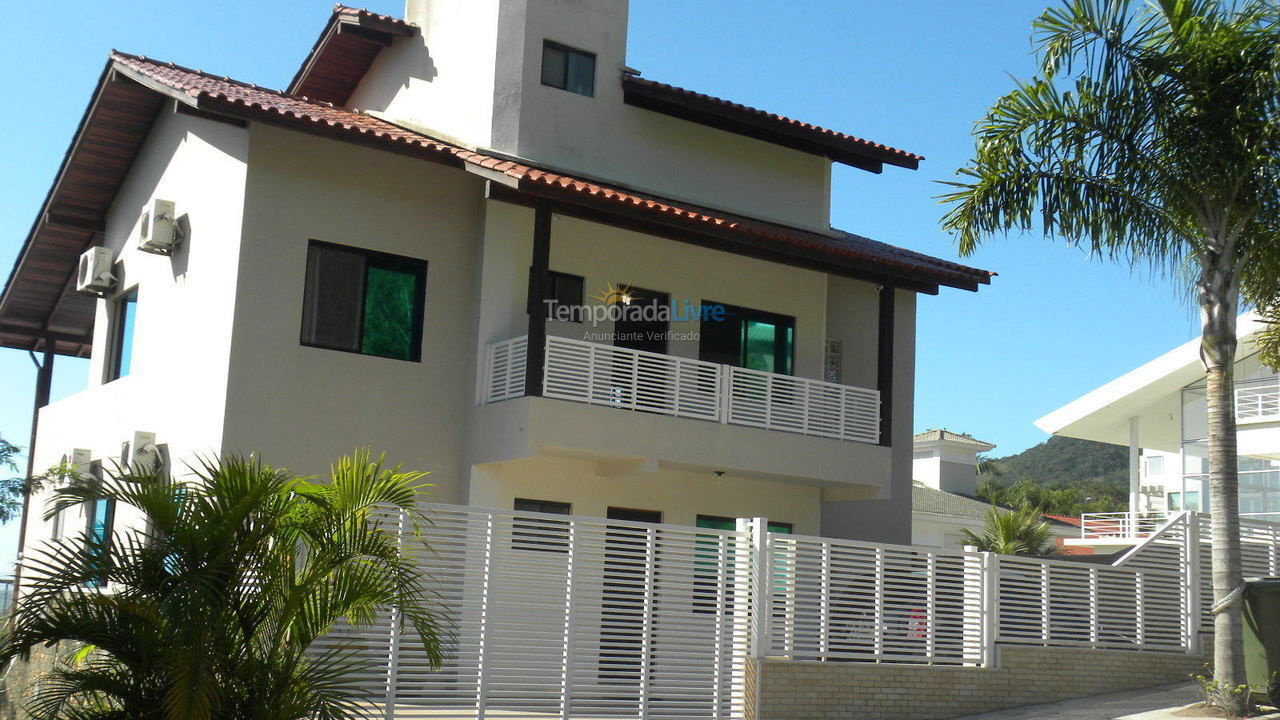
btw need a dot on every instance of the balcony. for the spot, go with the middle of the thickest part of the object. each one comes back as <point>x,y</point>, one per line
<point>1126,525</point>
<point>1258,400</point>
<point>638,381</point>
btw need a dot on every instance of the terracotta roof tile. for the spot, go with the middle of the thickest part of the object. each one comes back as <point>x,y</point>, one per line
<point>236,95</point>
<point>341,9</point>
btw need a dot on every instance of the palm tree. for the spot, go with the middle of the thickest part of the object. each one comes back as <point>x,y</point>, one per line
<point>1013,532</point>
<point>1151,136</point>
<point>208,605</point>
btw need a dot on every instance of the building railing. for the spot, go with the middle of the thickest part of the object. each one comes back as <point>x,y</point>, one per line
<point>584,617</point>
<point>505,369</point>
<point>626,379</point>
<point>1126,525</point>
<point>1258,399</point>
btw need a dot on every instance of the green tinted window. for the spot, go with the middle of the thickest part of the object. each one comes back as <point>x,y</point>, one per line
<point>390,297</point>
<point>363,301</point>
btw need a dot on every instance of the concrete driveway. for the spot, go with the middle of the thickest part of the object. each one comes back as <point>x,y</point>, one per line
<point>1152,704</point>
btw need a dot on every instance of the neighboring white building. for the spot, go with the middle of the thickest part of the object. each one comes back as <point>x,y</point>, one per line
<point>1159,411</point>
<point>944,500</point>
<point>945,460</point>
<point>359,256</point>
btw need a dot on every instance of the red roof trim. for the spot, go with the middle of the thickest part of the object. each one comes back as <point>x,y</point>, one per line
<point>35,306</point>
<point>889,259</point>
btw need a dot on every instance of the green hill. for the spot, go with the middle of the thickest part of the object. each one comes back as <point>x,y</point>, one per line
<point>1063,476</point>
<point>1069,461</point>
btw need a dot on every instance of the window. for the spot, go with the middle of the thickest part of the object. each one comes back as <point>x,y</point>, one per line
<point>718,522</point>
<point>568,69</point>
<point>1193,501</point>
<point>541,534</point>
<point>100,518</point>
<point>1155,465</point>
<point>747,338</point>
<point>124,313</point>
<point>565,294</point>
<point>364,302</point>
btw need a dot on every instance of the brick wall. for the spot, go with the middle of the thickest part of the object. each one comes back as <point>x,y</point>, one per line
<point>1023,675</point>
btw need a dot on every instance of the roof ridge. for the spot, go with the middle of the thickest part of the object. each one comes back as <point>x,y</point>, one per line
<point>117,54</point>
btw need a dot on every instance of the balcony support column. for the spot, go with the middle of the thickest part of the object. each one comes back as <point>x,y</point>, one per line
<point>44,383</point>
<point>1135,470</point>
<point>884,363</point>
<point>539,285</point>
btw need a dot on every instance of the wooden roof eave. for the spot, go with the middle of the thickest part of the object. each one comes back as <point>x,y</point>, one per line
<point>38,306</point>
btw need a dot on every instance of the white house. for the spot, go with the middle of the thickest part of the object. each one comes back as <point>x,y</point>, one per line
<point>1159,411</point>
<point>946,460</point>
<point>477,240</point>
<point>944,500</point>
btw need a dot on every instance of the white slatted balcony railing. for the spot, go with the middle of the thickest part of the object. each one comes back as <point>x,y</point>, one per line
<point>1121,524</point>
<point>1259,399</point>
<point>631,379</point>
<point>636,380</point>
<point>800,405</point>
<point>506,369</point>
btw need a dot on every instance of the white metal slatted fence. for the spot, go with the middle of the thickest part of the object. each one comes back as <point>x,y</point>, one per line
<point>558,616</point>
<point>564,616</point>
<point>837,599</point>
<point>1063,603</point>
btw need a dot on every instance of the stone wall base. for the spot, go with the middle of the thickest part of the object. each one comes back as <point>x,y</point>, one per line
<point>1023,675</point>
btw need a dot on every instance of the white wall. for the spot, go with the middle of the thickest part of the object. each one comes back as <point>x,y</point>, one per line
<point>178,381</point>
<point>303,406</point>
<point>679,496</point>
<point>474,75</point>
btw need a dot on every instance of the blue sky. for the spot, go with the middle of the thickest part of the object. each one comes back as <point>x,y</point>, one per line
<point>914,75</point>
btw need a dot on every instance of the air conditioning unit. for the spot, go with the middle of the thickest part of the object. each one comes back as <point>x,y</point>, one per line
<point>161,233</point>
<point>81,461</point>
<point>144,455</point>
<point>94,274</point>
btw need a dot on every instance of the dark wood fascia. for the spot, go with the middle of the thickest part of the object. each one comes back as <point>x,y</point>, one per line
<point>884,363</point>
<point>539,281</point>
<point>660,100</point>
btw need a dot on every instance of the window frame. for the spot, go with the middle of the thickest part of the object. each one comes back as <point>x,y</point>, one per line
<point>384,260</point>
<point>741,315</point>
<point>108,528</point>
<point>554,278</point>
<point>537,534</point>
<point>118,318</point>
<point>568,51</point>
